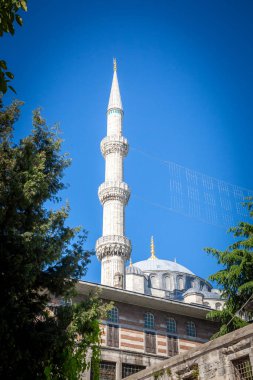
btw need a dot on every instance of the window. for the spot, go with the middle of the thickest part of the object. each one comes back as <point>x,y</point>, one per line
<point>190,328</point>
<point>154,281</point>
<point>180,282</point>
<point>129,369</point>
<point>113,315</point>
<point>167,282</point>
<point>206,304</point>
<point>243,369</point>
<point>107,371</point>
<point>218,306</point>
<point>112,336</point>
<point>118,280</point>
<point>149,321</point>
<point>171,325</point>
<point>172,345</point>
<point>150,342</point>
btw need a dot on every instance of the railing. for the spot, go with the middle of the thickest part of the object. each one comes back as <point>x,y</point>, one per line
<point>113,239</point>
<point>113,184</point>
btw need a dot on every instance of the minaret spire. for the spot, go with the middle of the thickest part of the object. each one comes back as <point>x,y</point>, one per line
<point>113,248</point>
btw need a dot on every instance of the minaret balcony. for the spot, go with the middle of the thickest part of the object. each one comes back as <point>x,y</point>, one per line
<point>114,190</point>
<point>113,144</point>
<point>113,245</point>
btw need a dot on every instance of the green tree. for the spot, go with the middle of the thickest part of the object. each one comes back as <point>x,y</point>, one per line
<point>40,258</point>
<point>9,16</point>
<point>235,278</point>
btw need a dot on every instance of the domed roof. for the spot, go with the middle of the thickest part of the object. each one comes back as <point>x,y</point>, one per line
<point>132,269</point>
<point>193,290</point>
<point>154,264</point>
<point>212,295</point>
<point>206,294</point>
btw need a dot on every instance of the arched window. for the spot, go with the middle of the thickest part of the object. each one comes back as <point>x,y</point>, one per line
<point>190,328</point>
<point>171,325</point>
<point>218,306</point>
<point>149,321</point>
<point>113,315</point>
<point>206,304</point>
<point>167,282</point>
<point>192,283</point>
<point>154,281</point>
<point>180,283</point>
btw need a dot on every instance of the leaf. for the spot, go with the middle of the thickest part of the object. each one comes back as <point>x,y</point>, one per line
<point>9,74</point>
<point>23,5</point>
<point>3,86</point>
<point>3,64</point>
<point>19,20</point>
<point>12,89</point>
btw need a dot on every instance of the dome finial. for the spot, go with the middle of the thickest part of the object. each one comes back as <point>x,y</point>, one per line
<point>152,246</point>
<point>131,264</point>
<point>114,64</point>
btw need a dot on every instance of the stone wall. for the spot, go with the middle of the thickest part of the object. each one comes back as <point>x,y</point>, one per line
<point>220,359</point>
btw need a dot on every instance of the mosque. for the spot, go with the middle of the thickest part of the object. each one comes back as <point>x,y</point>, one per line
<point>160,306</point>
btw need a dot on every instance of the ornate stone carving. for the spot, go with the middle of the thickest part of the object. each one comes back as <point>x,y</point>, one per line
<point>113,245</point>
<point>112,144</point>
<point>113,190</point>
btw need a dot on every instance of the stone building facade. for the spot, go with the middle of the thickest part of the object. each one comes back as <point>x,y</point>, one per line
<point>226,358</point>
<point>143,330</point>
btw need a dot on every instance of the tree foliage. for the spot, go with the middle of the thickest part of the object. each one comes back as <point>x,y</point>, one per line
<point>9,16</point>
<point>236,277</point>
<point>40,258</point>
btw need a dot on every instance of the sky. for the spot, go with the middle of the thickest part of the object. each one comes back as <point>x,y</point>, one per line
<point>185,69</point>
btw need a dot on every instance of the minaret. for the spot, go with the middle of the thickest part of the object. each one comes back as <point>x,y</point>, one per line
<point>113,248</point>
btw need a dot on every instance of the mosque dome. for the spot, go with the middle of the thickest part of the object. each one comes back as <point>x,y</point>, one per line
<point>168,279</point>
<point>132,269</point>
<point>155,264</point>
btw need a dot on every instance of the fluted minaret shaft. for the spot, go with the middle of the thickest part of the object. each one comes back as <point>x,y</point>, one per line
<point>113,248</point>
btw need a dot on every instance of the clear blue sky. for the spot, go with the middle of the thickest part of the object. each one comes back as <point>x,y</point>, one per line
<point>185,69</point>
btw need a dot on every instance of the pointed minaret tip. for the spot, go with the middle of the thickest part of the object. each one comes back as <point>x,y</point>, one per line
<point>152,247</point>
<point>114,64</point>
<point>115,98</point>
